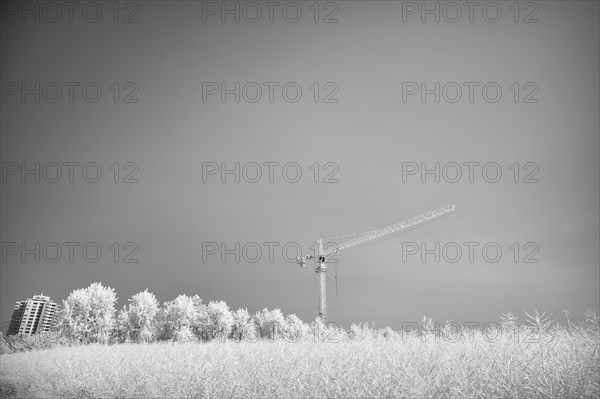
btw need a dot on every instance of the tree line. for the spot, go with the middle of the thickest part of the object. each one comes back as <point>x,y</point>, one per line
<point>89,315</point>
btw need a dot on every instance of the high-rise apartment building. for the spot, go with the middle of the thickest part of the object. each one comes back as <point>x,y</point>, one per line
<point>33,316</point>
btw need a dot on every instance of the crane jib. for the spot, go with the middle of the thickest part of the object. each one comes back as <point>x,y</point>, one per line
<point>391,229</point>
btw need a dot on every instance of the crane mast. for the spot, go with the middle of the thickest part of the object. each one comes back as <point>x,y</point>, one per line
<point>321,270</point>
<point>361,239</point>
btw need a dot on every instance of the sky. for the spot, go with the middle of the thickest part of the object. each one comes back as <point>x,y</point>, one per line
<point>141,165</point>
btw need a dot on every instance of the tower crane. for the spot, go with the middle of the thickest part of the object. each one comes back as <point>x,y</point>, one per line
<point>361,239</point>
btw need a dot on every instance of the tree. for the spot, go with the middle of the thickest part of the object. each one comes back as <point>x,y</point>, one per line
<point>88,314</point>
<point>119,332</point>
<point>138,318</point>
<point>179,318</point>
<point>269,322</point>
<point>294,329</point>
<point>243,325</point>
<point>220,319</point>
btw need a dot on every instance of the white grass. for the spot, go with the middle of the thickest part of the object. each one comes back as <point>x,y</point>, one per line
<point>562,364</point>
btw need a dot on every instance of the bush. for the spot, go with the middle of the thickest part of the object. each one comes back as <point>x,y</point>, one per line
<point>361,331</point>
<point>26,343</point>
<point>3,346</point>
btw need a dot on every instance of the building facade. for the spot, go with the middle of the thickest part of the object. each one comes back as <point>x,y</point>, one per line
<point>33,316</point>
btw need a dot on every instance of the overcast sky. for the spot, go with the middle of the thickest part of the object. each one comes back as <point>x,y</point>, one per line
<point>365,129</point>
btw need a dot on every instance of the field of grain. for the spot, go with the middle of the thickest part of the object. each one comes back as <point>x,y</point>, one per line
<point>559,363</point>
